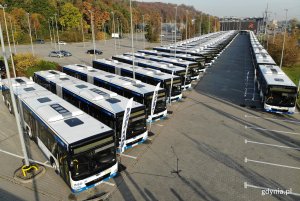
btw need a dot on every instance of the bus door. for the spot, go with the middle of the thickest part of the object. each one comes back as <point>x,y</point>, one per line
<point>117,70</point>
<point>59,91</point>
<point>90,79</point>
<point>63,164</point>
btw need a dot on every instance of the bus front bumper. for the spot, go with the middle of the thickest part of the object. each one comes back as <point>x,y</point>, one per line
<point>132,142</point>
<point>79,186</point>
<point>157,116</point>
<point>279,110</point>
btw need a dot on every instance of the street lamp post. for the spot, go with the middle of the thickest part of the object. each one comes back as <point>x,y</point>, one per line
<point>286,10</point>
<point>274,31</point>
<point>30,34</point>
<point>8,41</point>
<point>160,31</point>
<point>82,31</point>
<point>14,104</point>
<point>50,32</point>
<point>53,31</point>
<point>13,35</point>
<point>93,33</point>
<point>132,48</point>
<point>208,23</point>
<point>143,31</point>
<point>119,33</point>
<point>114,26</point>
<point>175,30</point>
<point>57,32</point>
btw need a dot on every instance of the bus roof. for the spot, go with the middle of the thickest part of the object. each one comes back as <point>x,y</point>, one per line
<point>161,65</point>
<point>68,122</point>
<point>157,74</point>
<point>125,82</point>
<point>275,76</point>
<point>99,96</point>
<point>166,54</point>
<point>172,60</point>
<point>264,58</point>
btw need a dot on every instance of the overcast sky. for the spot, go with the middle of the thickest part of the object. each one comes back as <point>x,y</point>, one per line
<point>242,8</point>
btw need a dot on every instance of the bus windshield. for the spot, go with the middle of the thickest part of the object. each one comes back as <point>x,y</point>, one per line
<point>283,97</point>
<point>90,162</point>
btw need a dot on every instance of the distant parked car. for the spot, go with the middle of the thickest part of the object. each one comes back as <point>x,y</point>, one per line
<point>61,43</point>
<point>91,51</point>
<point>55,54</point>
<point>65,53</point>
<point>39,41</point>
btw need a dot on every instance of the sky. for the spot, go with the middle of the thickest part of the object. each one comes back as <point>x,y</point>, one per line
<point>242,8</point>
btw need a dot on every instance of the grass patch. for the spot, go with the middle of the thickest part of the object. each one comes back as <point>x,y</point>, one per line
<point>294,74</point>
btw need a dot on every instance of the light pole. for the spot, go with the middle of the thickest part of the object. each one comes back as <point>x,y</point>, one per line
<point>175,29</point>
<point>8,41</point>
<point>143,31</point>
<point>57,32</point>
<point>160,31</point>
<point>30,34</point>
<point>50,32</point>
<point>114,26</point>
<point>14,104</point>
<point>119,33</point>
<point>201,24</point>
<point>13,35</point>
<point>274,29</point>
<point>93,33</point>
<point>82,31</point>
<point>286,10</point>
<point>208,23</point>
<point>132,48</point>
<point>53,31</point>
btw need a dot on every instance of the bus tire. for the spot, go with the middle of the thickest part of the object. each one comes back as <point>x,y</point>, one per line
<point>9,108</point>
<point>53,164</point>
<point>29,133</point>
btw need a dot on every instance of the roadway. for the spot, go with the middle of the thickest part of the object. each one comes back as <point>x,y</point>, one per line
<point>227,147</point>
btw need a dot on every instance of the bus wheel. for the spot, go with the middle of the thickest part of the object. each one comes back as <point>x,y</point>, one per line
<point>53,164</point>
<point>28,131</point>
<point>9,108</point>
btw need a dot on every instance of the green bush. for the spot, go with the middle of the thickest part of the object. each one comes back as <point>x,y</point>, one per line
<point>41,65</point>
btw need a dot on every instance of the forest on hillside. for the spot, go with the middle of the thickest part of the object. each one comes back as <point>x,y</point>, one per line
<point>72,18</point>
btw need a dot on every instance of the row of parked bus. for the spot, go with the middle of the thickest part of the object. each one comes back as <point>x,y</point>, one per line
<point>76,116</point>
<point>277,92</point>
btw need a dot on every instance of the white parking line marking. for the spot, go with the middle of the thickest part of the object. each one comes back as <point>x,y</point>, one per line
<point>128,156</point>
<point>246,185</point>
<point>159,125</point>
<point>272,145</point>
<point>255,117</point>
<point>276,131</point>
<point>273,164</point>
<point>18,156</point>
<point>108,183</point>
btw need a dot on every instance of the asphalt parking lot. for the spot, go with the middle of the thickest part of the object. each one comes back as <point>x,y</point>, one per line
<point>227,148</point>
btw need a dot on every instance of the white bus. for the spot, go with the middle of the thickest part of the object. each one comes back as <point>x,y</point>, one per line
<point>124,86</point>
<point>81,149</point>
<point>104,105</point>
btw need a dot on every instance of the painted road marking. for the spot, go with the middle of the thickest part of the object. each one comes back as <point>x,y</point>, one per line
<point>250,116</point>
<point>18,156</point>
<point>272,145</point>
<point>272,164</point>
<point>128,156</point>
<point>276,131</point>
<point>108,183</point>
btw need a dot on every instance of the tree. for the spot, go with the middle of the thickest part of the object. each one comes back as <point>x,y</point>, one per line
<point>70,16</point>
